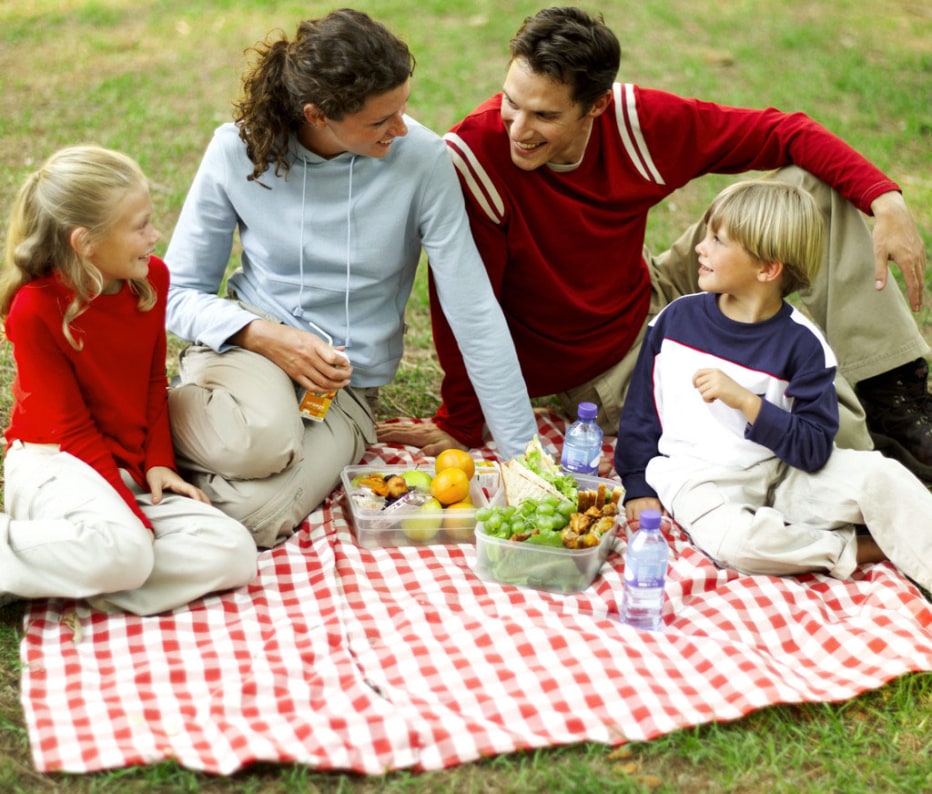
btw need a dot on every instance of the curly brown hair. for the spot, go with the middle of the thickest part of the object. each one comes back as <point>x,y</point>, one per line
<point>336,63</point>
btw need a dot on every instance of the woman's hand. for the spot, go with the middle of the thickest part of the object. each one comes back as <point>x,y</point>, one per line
<point>305,357</point>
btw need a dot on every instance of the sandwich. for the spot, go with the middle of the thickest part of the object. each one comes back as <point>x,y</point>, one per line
<point>535,475</point>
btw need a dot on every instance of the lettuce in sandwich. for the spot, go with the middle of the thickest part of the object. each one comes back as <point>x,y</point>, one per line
<point>534,475</point>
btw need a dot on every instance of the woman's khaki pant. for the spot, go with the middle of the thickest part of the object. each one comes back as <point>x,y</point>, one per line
<point>240,438</point>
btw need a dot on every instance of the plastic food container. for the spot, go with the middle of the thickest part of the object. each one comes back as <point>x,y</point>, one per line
<point>553,569</point>
<point>404,522</point>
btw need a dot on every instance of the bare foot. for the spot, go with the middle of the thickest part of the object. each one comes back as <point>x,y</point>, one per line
<point>425,435</point>
<point>868,550</point>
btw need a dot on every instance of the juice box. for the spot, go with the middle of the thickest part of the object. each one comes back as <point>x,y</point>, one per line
<point>314,405</point>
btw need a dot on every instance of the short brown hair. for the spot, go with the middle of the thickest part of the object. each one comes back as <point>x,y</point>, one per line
<point>570,46</point>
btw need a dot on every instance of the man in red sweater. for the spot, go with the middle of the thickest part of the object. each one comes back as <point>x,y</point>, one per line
<point>560,171</point>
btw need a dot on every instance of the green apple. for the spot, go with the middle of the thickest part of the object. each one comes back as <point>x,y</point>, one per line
<point>422,528</point>
<point>459,521</point>
<point>418,478</point>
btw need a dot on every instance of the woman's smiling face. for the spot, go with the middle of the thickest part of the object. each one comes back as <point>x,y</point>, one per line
<point>368,132</point>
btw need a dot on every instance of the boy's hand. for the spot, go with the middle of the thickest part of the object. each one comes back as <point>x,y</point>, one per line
<point>713,384</point>
<point>633,507</point>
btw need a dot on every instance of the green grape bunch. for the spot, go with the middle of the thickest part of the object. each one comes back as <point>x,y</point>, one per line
<point>533,520</point>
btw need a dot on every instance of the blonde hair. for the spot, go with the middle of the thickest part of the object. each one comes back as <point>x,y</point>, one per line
<point>773,222</point>
<point>78,187</point>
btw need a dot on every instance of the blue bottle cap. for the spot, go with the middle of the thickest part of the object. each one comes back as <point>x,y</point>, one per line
<point>649,519</point>
<point>587,411</point>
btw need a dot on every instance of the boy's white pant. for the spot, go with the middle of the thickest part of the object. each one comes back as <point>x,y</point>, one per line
<point>773,519</point>
<point>67,533</point>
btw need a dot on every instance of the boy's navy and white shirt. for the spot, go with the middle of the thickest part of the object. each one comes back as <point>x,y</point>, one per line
<point>668,433</point>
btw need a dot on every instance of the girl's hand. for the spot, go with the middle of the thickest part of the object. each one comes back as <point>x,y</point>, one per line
<point>162,478</point>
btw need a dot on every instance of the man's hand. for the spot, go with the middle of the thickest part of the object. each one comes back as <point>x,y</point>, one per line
<point>896,238</point>
<point>305,357</point>
<point>426,435</point>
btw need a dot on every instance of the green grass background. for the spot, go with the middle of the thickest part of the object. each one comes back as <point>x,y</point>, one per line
<point>154,77</point>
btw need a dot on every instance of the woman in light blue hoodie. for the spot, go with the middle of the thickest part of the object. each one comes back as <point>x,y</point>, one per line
<point>334,192</point>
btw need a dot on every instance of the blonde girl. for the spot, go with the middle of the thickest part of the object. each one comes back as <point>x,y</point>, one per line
<point>94,505</point>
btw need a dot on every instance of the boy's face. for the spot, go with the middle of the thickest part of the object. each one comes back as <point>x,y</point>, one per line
<point>544,124</point>
<point>725,266</point>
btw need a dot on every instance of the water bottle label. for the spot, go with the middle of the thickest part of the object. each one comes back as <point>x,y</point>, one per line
<point>584,461</point>
<point>641,570</point>
<point>581,467</point>
<point>644,583</point>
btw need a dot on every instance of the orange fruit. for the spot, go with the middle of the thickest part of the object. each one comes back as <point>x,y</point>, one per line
<point>449,486</point>
<point>456,459</point>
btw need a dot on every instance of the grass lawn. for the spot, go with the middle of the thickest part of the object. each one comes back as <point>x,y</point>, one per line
<point>154,77</point>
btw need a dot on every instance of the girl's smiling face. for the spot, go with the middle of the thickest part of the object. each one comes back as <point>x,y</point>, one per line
<point>123,251</point>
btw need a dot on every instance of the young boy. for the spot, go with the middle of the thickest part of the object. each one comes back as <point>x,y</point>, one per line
<point>731,416</point>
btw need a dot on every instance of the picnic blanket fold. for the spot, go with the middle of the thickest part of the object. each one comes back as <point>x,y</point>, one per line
<point>371,660</point>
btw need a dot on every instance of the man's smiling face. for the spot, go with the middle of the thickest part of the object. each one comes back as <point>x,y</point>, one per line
<point>544,124</point>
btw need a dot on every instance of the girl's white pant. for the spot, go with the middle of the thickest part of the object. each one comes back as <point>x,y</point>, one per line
<point>67,533</point>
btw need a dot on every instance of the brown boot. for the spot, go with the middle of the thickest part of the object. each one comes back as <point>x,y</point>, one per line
<point>899,415</point>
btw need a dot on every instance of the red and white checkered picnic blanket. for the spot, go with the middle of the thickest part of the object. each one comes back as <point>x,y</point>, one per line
<point>344,658</point>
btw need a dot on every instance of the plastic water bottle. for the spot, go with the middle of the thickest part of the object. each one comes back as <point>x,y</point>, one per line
<point>645,574</point>
<point>582,445</point>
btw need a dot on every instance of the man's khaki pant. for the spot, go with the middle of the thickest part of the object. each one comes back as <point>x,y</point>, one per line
<point>870,332</point>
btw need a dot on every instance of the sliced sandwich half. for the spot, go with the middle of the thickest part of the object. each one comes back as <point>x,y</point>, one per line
<point>534,475</point>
